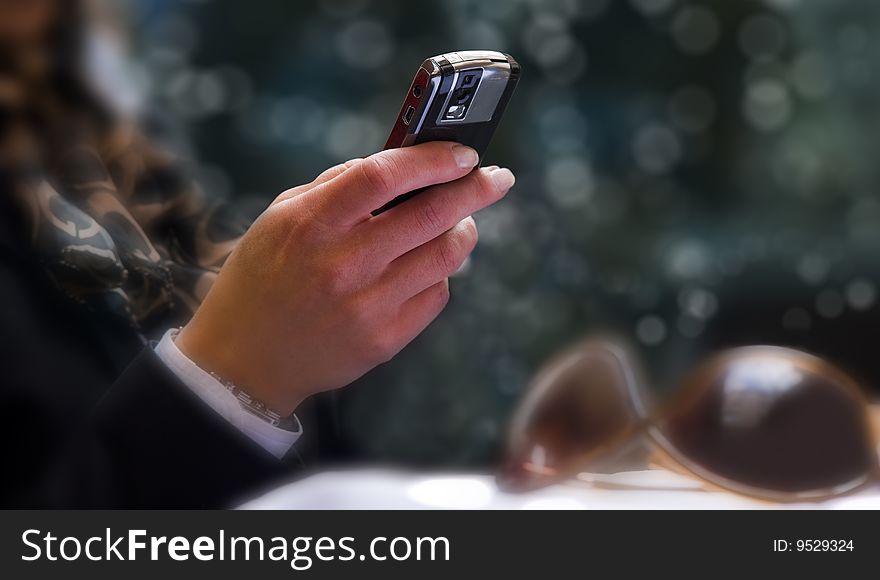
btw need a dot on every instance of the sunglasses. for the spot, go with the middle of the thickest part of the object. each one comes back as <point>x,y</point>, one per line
<point>766,422</point>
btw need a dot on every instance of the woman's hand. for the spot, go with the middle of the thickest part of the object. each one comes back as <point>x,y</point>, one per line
<point>319,291</point>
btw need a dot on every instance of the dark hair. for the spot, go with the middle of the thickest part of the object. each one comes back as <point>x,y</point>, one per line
<point>64,104</point>
<point>67,53</point>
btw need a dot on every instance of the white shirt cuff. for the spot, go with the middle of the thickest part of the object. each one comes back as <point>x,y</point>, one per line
<point>273,439</point>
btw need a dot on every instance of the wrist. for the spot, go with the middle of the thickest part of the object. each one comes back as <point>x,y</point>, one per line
<point>231,363</point>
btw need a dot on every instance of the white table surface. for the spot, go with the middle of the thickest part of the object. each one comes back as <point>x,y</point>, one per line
<point>392,489</point>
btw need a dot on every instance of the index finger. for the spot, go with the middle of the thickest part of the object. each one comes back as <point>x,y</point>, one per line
<point>327,175</point>
<point>374,181</point>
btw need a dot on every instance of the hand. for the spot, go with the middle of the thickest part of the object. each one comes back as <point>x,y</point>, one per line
<point>319,291</point>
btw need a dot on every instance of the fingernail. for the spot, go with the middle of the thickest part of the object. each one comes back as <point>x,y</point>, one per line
<point>503,179</point>
<point>466,157</point>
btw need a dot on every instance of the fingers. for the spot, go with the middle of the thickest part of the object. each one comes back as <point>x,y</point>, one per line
<point>371,183</point>
<point>433,212</point>
<point>430,263</point>
<point>420,310</point>
<point>327,175</point>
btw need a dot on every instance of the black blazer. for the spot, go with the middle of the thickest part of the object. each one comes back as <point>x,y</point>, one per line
<point>89,417</point>
<point>150,443</point>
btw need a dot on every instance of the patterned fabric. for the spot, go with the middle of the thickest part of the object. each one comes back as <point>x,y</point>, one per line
<point>114,222</point>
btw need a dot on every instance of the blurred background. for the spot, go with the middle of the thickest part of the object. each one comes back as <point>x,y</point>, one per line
<point>690,175</point>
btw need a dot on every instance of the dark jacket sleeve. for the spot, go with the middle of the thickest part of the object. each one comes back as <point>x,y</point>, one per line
<point>151,443</point>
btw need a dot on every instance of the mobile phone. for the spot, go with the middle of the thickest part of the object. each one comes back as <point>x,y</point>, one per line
<point>457,96</point>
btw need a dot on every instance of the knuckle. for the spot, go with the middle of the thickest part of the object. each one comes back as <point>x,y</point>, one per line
<point>285,195</point>
<point>333,277</point>
<point>455,246</point>
<point>381,348</point>
<point>429,218</point>
<point>357,316</point>
<point>274,228</point>
<point>331,172</point>
<point>289,220</point>
<point>447,256</point>
<point>379,172</point>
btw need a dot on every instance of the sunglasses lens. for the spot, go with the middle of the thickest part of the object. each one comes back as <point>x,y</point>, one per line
<point>772,420</point>
<point>574,410</point>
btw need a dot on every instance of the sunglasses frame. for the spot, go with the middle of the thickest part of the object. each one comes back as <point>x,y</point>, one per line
<point>646,425</point>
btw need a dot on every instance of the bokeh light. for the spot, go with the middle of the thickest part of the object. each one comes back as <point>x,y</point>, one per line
<point>691,174</point>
